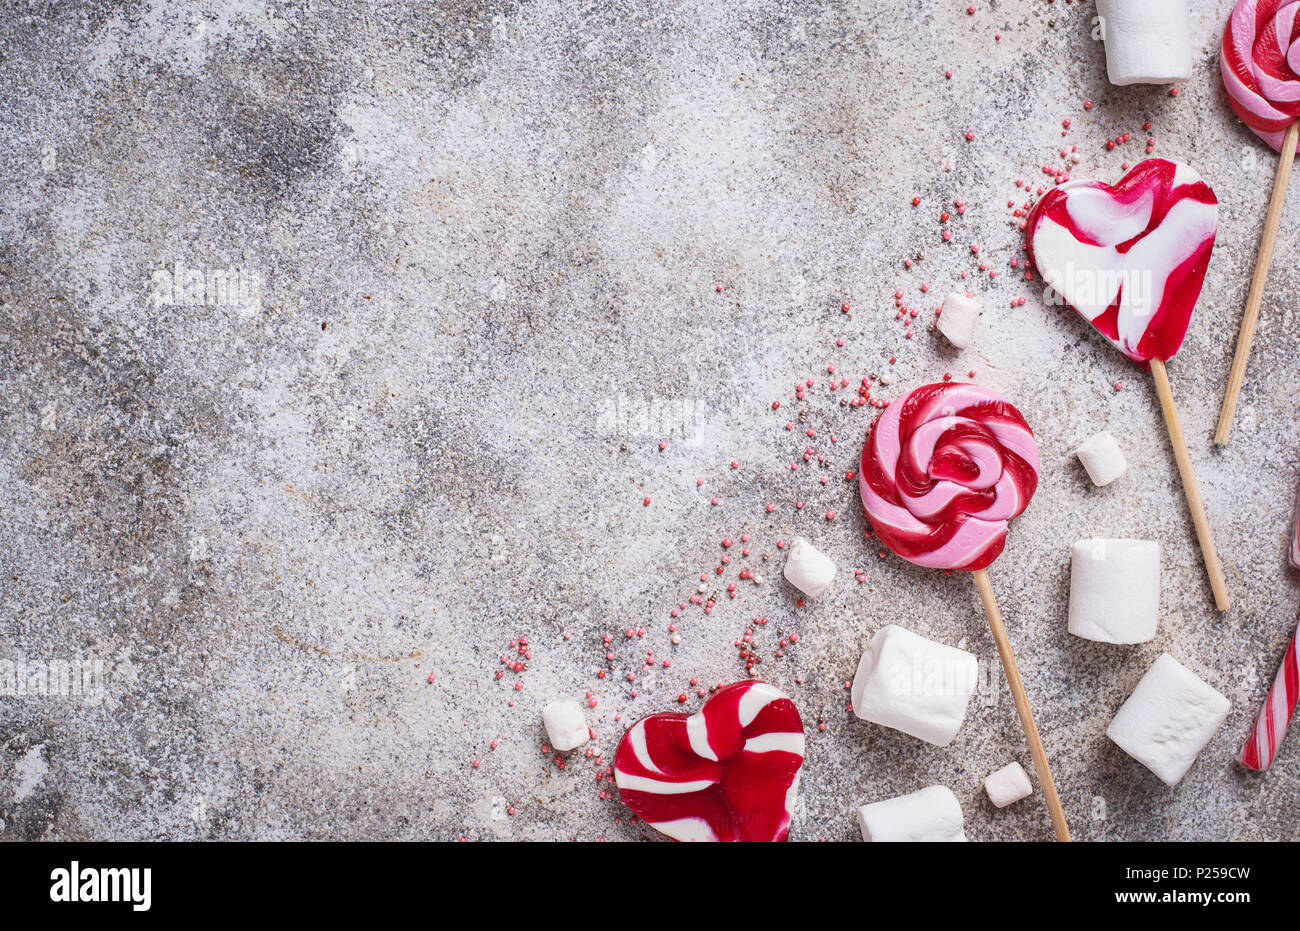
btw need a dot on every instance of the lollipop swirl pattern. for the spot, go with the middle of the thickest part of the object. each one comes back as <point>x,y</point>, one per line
<point>943,471</point>
<point>1260,64</point>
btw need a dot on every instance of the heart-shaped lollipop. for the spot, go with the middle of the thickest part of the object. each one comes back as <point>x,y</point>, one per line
<point>729,772</point>
<point>1130,258</point>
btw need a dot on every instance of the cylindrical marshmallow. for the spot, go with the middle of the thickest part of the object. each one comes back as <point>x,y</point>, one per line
<point>914,685</point>
<point>957,319</point>
<point>1168,720</point>
<point>1147,41</point>
<point>1008,784</point>
<point>1115,590</point>
<point>931,814</point>
<point>1102,458</point>
<point>808,568</point>
<point>566,728</point>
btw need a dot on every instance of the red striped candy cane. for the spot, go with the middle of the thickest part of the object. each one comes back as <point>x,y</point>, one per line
<point>1271,725</point>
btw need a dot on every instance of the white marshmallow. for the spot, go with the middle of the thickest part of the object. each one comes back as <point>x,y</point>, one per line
<point>566,727</point>
<point>1115,590</point>
<point>808,568</point>
<point>1168,720</point>
<point>957,319</point>
<point>914,685</point>
<point>931,814</point>
<point>1008,784</point>
<point>1147,41</point>
<point>1103,459</point>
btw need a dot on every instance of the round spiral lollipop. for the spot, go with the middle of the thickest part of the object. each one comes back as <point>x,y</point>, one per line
<point>1260,64</point>
<point>943,471</point>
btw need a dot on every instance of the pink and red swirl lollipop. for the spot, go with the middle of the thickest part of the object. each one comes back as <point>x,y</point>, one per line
<point>1260,65</point>
<point>944,470</point>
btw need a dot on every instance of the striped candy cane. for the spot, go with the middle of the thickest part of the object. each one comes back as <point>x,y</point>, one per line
<point>1271,725</point>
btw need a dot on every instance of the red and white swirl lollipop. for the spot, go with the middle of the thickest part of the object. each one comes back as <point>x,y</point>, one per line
<point>729,772</point>
<point>1131,258</point>
<point>1260,65</point>
<point>943,471</point>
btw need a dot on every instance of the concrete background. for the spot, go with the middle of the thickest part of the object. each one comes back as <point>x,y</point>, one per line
<point>481,244</point>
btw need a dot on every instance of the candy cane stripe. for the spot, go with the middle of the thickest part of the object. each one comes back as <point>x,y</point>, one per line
<point>1274,718</point>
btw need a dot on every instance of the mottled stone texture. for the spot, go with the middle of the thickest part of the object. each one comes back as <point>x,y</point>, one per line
<point>474,253</point>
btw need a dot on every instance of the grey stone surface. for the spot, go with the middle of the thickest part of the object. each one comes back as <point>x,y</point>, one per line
<point>480,245</point>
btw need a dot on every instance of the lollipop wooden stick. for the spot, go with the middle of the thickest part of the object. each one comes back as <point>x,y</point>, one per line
<point>1191,489</point>
<point>999,630</point>
<point>1255,296</point>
